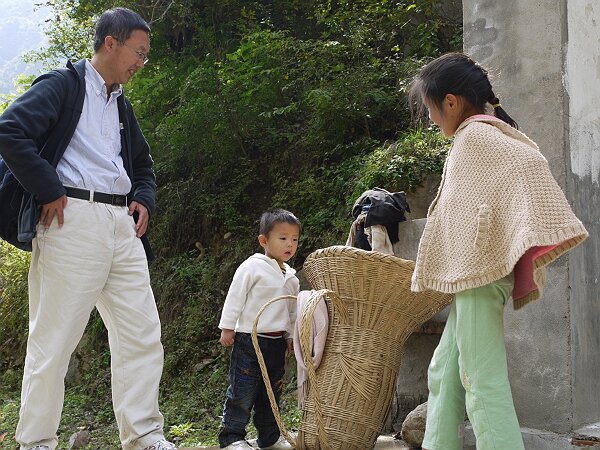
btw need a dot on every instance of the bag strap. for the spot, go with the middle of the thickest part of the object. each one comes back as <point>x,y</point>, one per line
<point>69,99</point>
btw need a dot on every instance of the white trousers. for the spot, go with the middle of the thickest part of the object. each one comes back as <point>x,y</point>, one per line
<point>94,260</point>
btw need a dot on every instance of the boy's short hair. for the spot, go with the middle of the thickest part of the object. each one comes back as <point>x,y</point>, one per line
<point>274,216</point>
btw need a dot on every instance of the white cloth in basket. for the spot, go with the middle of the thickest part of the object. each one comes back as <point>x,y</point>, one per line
<point>319,329</point>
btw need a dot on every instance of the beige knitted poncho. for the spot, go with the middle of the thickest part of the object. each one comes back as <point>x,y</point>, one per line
<point>498,209</point>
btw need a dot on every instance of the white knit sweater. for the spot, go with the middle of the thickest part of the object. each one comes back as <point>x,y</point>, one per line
<point>497,200</point>
<point>256,281</point>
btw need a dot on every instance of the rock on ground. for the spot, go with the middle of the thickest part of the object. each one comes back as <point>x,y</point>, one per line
<point>413,427</point>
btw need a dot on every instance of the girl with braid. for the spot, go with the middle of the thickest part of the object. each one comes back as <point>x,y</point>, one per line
<point>498,219</point>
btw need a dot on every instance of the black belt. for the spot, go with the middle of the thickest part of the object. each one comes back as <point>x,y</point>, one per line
<point>94,196</point>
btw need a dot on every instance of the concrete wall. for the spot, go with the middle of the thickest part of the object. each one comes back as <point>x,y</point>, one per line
<point>546,60</point>
<point>583,86</point>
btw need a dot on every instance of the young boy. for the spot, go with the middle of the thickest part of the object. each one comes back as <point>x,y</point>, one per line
<point>259,279</point>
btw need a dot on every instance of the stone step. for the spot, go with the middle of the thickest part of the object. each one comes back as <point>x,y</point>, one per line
<point>383,443</point>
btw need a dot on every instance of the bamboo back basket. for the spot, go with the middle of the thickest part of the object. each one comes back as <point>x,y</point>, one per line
<point>371,314</point>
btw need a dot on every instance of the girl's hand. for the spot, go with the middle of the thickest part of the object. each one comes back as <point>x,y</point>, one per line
<point>290,346</point>
<point>227,337</point>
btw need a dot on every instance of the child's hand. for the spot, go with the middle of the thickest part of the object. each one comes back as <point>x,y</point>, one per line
<point>290,346</point>
<point>227,337</point>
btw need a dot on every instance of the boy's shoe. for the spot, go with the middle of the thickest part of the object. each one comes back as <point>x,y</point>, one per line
<point>281,444</point>
<point>40,447</point>
<point>238,445</point>
<point>163,444</point>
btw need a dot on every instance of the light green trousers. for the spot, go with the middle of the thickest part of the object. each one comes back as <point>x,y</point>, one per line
<point>468,369</point>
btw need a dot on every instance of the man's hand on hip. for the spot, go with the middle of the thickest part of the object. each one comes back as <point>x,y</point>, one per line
<point>49,210</point>
<point>141,225</point>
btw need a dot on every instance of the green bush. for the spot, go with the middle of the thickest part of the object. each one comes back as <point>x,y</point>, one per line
<point>14,267</point>
<point>280,122</point>
<point>403,165</point>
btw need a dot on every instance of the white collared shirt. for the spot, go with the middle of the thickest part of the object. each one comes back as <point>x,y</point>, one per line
<point>93,159</point>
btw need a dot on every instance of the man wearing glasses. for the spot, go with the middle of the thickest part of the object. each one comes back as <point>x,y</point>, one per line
<point>74,144</point>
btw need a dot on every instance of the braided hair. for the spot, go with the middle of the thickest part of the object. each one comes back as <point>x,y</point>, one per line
<point>455,73</point>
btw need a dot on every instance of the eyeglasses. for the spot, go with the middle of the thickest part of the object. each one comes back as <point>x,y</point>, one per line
<point>140,55</point>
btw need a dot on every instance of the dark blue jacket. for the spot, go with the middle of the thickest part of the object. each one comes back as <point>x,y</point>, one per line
<point>36,129</point>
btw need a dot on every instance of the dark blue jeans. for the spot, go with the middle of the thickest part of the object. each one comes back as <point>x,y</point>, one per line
<point>247,391</point>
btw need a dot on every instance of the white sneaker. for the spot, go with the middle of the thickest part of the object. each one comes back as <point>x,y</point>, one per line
<point>238,445</point>
<point>281,444</point>
<point>163,444</point>
<point>40,447</point>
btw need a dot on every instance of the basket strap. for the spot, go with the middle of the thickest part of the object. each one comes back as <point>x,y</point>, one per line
<point>264,372</point>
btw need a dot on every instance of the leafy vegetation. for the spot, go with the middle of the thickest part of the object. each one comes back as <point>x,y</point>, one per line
<point>247,105</point>
<point>14,265</point>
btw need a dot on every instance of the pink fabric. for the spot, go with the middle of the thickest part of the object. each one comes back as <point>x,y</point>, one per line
<point>318,336</point>
<point>523,271</point>
<point>481,116</point>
